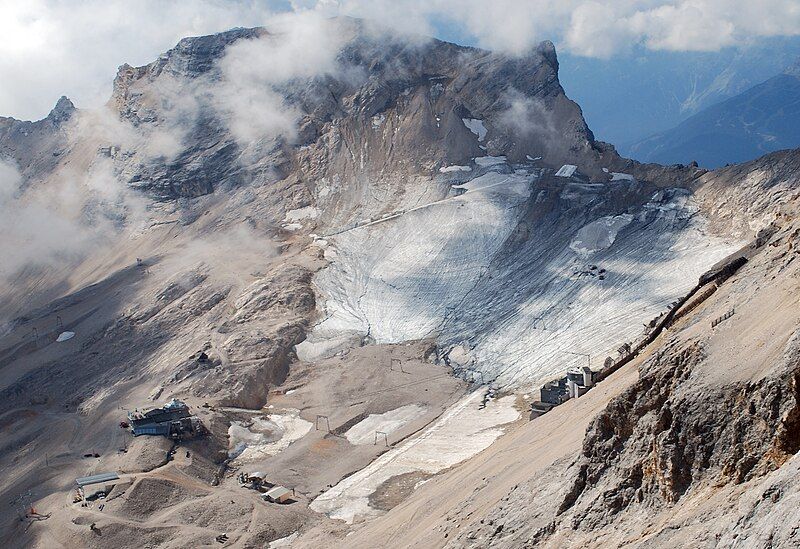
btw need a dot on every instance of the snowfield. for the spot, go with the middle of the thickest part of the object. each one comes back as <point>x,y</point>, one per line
<point>397,280</point>
<point>599,235</point>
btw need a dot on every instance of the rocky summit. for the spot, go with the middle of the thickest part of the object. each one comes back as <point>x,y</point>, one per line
<point>323,284</point>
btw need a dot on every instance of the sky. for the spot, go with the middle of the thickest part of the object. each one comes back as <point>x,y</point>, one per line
<point>50,48</point>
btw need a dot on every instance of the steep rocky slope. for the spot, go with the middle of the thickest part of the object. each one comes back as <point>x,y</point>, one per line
<point>180,226</point>
<point>415,89</point>
<point>392,128</point>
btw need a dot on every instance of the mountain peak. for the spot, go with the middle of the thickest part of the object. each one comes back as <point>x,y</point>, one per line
<point>62,110</point>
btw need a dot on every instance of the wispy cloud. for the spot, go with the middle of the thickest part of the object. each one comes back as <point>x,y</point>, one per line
<point>39,230</point>
<point>594,27</point>
<point>302,45</point>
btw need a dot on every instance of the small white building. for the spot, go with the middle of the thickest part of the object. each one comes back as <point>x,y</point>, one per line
<point>567,170</point>
<point>572,387</point>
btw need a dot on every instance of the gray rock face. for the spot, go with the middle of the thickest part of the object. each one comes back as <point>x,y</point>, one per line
<point>414,95</point>
<point>667,434</point>
<point>422,91</point>
<point>35,147</point>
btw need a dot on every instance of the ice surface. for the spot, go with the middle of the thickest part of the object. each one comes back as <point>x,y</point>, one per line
<point>396,280</point>
<point>460,433</point>
<point>283,542</point>
<point>476,126</point>
<point>364,431</point>
<point>486,161</point>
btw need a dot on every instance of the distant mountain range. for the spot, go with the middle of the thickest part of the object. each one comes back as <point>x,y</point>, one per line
<point>760,120</point>
<point>630,97</point>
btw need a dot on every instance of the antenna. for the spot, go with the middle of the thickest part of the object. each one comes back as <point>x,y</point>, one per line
<point>588,358</point>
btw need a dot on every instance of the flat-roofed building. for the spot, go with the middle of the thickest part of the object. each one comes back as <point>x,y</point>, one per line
<point>278,494</point>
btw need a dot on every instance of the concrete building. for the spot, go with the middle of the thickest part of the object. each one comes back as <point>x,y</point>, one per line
<point>572,388</point>
<point>588,376</point>
<point>171,420</point>
<point>91,487</point>
<point>539,408</point>
<point>554,392</point>
<point>96,479</point>
<point>574,384</point>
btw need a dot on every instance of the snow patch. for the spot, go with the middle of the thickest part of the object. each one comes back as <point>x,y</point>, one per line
<point>363,432</point>
<point>461,432</point>
<point>599,235</point>
<point>615,176</point>
<point>567,170</point>
<point>476,126</point>
<point>64,336</point>
<point>486,161</point>
<point>449,169</point>
<point>283,542</point>
<point>266,436</point>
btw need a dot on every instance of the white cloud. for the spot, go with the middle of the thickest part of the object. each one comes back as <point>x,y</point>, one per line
<point>38,230</point>
<point>55,47</point>
<point>594,27</point>
<point>301,45</point>
<point>526,116</point>
<point>51,48</point>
